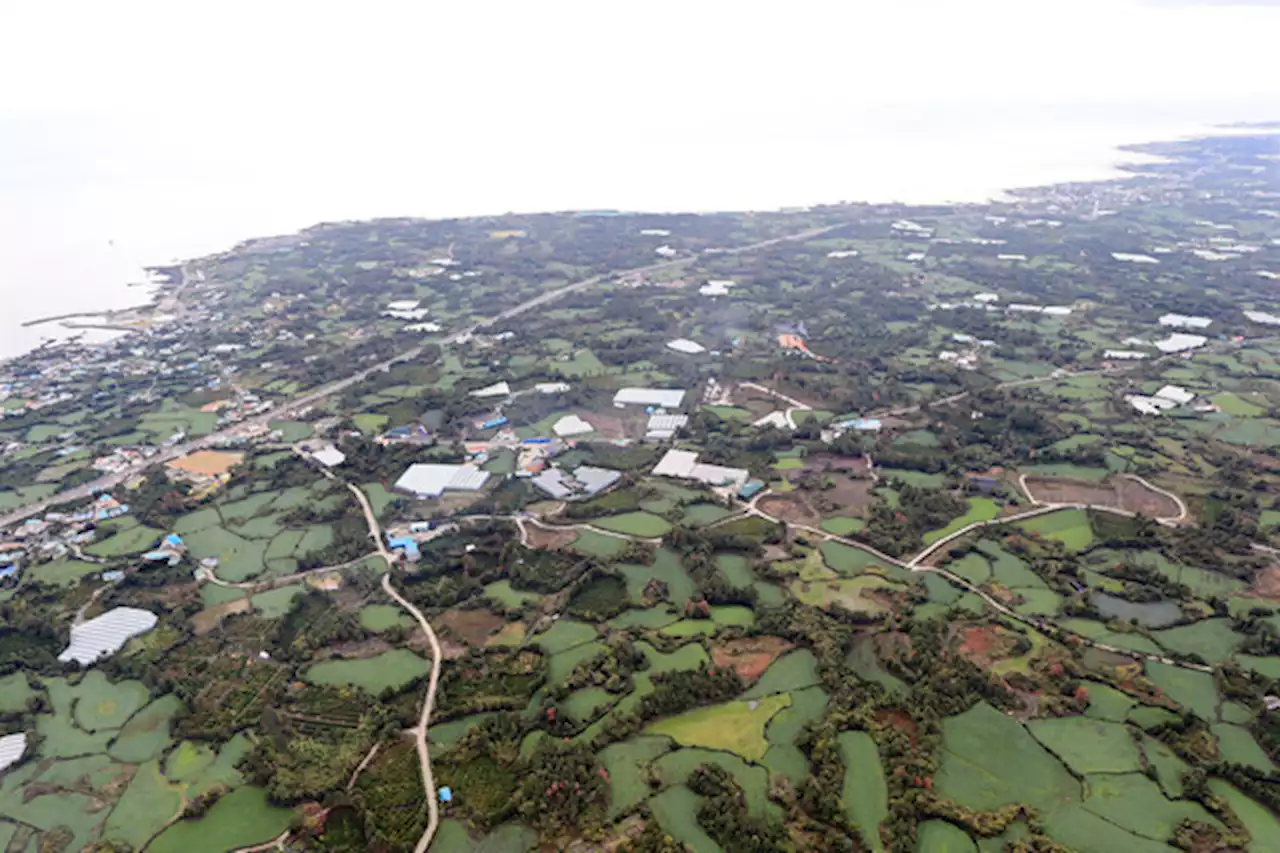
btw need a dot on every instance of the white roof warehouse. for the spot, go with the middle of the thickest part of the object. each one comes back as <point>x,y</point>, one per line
<point>431,481</point>
<point>106,634</point>
<point>667,398</point>
<point>684,465</point>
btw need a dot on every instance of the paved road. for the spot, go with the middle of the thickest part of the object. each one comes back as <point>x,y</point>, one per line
<point>419,731</point>
<point>170,453</point>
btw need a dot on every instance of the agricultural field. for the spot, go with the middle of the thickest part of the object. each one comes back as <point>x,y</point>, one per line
<point>731,634</point>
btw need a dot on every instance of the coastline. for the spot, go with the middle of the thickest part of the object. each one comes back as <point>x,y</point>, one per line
<point>1123,161</point>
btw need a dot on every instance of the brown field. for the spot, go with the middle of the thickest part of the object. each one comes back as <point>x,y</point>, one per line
<point>540,537</point>
<point>1121,493</point>
<point>900,720</point>
<point>610,425</point>
<point>854,465</point>
<point>207,463</point>
<point>794,508</point>
<point>472,627</point>
<point>206,620</point>
<point>1267,584</point>
<point>512,634</point>
<point>749,656</point>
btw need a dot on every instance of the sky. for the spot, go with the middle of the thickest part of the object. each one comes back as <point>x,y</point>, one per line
<point>136,132</point>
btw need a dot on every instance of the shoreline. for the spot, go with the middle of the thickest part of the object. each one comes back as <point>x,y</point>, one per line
<point>1126,161</point>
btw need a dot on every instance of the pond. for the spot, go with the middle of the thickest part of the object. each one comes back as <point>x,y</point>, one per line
<point>1152,614</point>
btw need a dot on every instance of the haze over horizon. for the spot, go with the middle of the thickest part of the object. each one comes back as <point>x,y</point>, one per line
<point>144,131</point>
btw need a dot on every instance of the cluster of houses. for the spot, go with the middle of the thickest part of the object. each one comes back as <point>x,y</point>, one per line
<point>1168,397</point>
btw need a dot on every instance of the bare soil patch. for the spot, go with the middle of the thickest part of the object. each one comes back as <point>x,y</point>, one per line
<point>850,497</point>
<point>1121,493</point>
<point>900,720</point>
<point>512,633</point>
<point>855,465</point>
<point>208,619</point>
<point>607,426</point>
<point>1267,584</point>
<point>472,627</point>
<point>793,508</point>
<point>540,537</point>
<point>749,656</point>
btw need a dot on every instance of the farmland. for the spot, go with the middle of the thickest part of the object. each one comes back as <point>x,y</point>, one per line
<point>752,649</point>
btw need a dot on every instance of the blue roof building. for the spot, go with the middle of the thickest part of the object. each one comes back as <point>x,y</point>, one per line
<point>446,794</point>
<point>750,489</point>
<point>406,544</point>
<point>173,540</point>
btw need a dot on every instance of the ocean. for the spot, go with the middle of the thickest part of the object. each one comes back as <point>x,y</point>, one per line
<point>86,202</point>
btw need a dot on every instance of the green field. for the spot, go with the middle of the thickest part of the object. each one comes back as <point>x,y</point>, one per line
<point>241,818</point>
<point>1211,639</point>
<point>596,544</point>
<point>382,617</point>
<point>146,735</point>
<point>1069,526</point>
<point>389,670</point>
<point>1193,690</point>
<point>1088,745</point>
<point>1263,826</point>
<point>666,568</point>
<point>980,509</point>
<point>842,525</point>
<point>846,560</point>
<point>132,538</point>
<point>626,763</point>
<point>101,705</point>
<point>275,603</point>
<point>15,693</point>
<point>642,524</point>
<point>1236,745</point>
<point>990,760</point>
<point>865,796</point>
<point>736,727</point>
<point>938,836</point>
<point>792,671</point>
<point>503,593</point>
<point>676,810</point>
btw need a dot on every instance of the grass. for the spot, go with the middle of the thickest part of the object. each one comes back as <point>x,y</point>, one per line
<point>1236,745</point>
<point>146,735</point>
<point>503,593</point>
<point>595,544</point>
<point>101,705</point>
<point>848,593</point>
<point>564,635</point>
<point>149,803</point>
<point>865,796</point>
<point>678,765</point>
<point>562,664</point>
<point>792,671</point>
<point>842,525</point>
<point>274,604</point>
<point>938,836</point>
<point>1235,405</point>
<point>388,671</point>
<point>847,560</point>
<point>1211,639</point>
<point>15,693</point>
<point>64,572</point>
<point>584,705</point>
<point>688,656</point>
<point>676,810</point>
<point>1087,745</point>
<point>980,509</point>
<point>241,818</point>
<point>132,539</point>
<point>626,763</point>
<point>1263,826</point>
<point>989,759</point>
<point>913,478</point>
<point>1135,803</point>
<point>1193,690</point>
<point>383,617</point>
<point>700,515</point>
<point>666,568</point>
<point>737,727</point>
<point>369,424</point>
<point>1069,526</point>
<point>635,524</point>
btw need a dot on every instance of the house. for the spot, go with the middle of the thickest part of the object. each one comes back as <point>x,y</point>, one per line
<point>750,489</point>
<point>431,481</point>
<point>686,346</point>
<point>1180,342</point>
<point>1149,405</point>
<point>583,481</point>
<point>986,297</point>
<point>1124,354</point>
<point>666,398</point>
<point>329,456</point>
<point>843,253</point>
<point>1182,321</point>
<point>497,389</point>
<point>405,545</point>
<point>718,287</point>
<point>1179,395</point>
<point>551,387</point>
<point>1134,259</point>
<point>1262,317</point>
<point>776,420</point>
<point>663,426</point>
<point>684,465</point>
<point>571,425</point>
